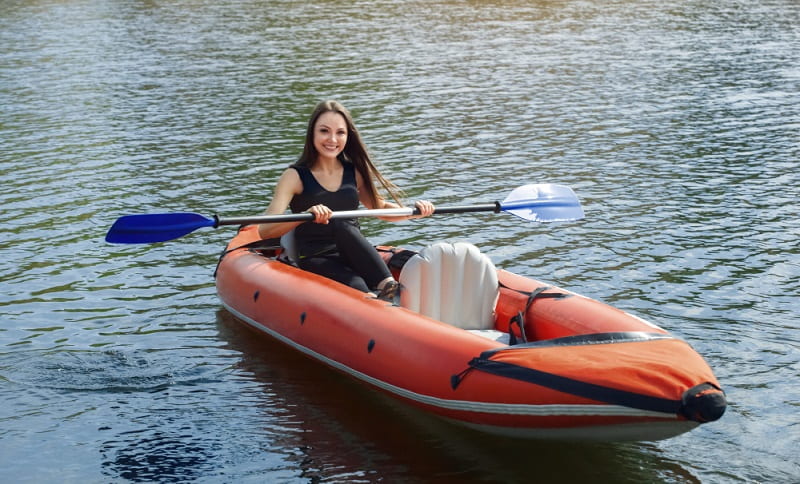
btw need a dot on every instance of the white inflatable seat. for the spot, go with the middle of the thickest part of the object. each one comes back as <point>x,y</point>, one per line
<point>289,248</point>
<point>453,283</point>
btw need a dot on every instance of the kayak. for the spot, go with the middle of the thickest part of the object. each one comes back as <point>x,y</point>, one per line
<point>477,345</point>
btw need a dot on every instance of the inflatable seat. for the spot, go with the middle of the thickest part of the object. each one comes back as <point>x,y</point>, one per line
<point>289,246</point>
<point>454,283</point>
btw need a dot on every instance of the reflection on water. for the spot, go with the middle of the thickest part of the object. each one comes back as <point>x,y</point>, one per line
<point>154,455</point>
<point>676,124</point>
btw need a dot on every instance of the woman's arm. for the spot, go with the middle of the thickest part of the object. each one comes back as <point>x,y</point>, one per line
<point>288,186</point>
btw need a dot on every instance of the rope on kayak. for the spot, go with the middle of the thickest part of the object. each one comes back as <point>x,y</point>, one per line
<point>519,319</point>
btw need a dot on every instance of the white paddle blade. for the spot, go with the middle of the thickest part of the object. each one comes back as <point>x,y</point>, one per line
<point>543,202</point>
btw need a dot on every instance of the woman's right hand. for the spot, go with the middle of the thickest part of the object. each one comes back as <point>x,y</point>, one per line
<point>322,214</point>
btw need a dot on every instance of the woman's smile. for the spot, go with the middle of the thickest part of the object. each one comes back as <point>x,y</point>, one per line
<point>330,134</point>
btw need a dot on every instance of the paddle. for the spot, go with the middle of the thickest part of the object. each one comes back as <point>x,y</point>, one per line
<point>536,203</point>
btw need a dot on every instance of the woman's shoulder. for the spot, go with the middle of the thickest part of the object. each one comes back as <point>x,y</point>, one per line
<point>290,175</point>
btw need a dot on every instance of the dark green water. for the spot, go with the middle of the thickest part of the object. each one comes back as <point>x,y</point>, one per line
<point>677,123</point>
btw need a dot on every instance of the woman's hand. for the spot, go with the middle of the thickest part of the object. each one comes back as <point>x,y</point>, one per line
<point>425,207</point>
<point>322,214</point>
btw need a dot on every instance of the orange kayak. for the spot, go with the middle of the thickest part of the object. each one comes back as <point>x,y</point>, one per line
<point>478,345</point>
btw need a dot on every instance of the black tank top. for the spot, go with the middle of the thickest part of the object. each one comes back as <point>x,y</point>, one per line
<point>312,238</point>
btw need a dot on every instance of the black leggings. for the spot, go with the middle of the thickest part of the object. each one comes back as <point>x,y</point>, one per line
<point>356,262</point>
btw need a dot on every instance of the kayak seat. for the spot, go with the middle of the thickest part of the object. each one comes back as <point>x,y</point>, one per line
<point>289,246</point>
<point>453,283</point>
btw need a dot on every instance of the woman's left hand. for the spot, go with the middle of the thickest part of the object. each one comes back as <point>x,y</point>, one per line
<point>425,208</point>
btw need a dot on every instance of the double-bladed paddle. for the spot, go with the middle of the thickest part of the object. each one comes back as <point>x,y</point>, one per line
<point>537,203</point>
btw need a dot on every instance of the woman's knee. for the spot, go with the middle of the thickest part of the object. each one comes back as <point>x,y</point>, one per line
<point>345,228</point>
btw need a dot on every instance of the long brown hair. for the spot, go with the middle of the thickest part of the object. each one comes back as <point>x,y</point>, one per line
<point>354,152</point>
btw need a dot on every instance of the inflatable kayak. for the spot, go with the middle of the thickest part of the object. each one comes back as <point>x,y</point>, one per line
<point>478,345</point>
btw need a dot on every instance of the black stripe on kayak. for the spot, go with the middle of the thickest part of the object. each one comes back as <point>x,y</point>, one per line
<point>569,385</point>
<point>577,387</point>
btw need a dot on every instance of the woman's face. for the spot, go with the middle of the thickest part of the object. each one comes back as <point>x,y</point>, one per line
<point>330,134</point>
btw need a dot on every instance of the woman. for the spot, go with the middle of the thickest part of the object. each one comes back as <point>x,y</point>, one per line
<point>335,173</point>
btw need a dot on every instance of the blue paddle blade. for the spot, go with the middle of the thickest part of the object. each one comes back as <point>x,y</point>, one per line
<point>155,227</point>
<point>543,202</point>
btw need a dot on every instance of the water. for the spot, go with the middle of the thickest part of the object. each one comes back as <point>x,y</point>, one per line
<point>678,125</point>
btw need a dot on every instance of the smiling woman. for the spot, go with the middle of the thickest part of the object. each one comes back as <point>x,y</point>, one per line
<point>335,172</point>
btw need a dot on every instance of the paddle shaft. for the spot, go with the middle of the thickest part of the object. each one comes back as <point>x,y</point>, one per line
<point>534,203</point>
<point>385,212</point>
